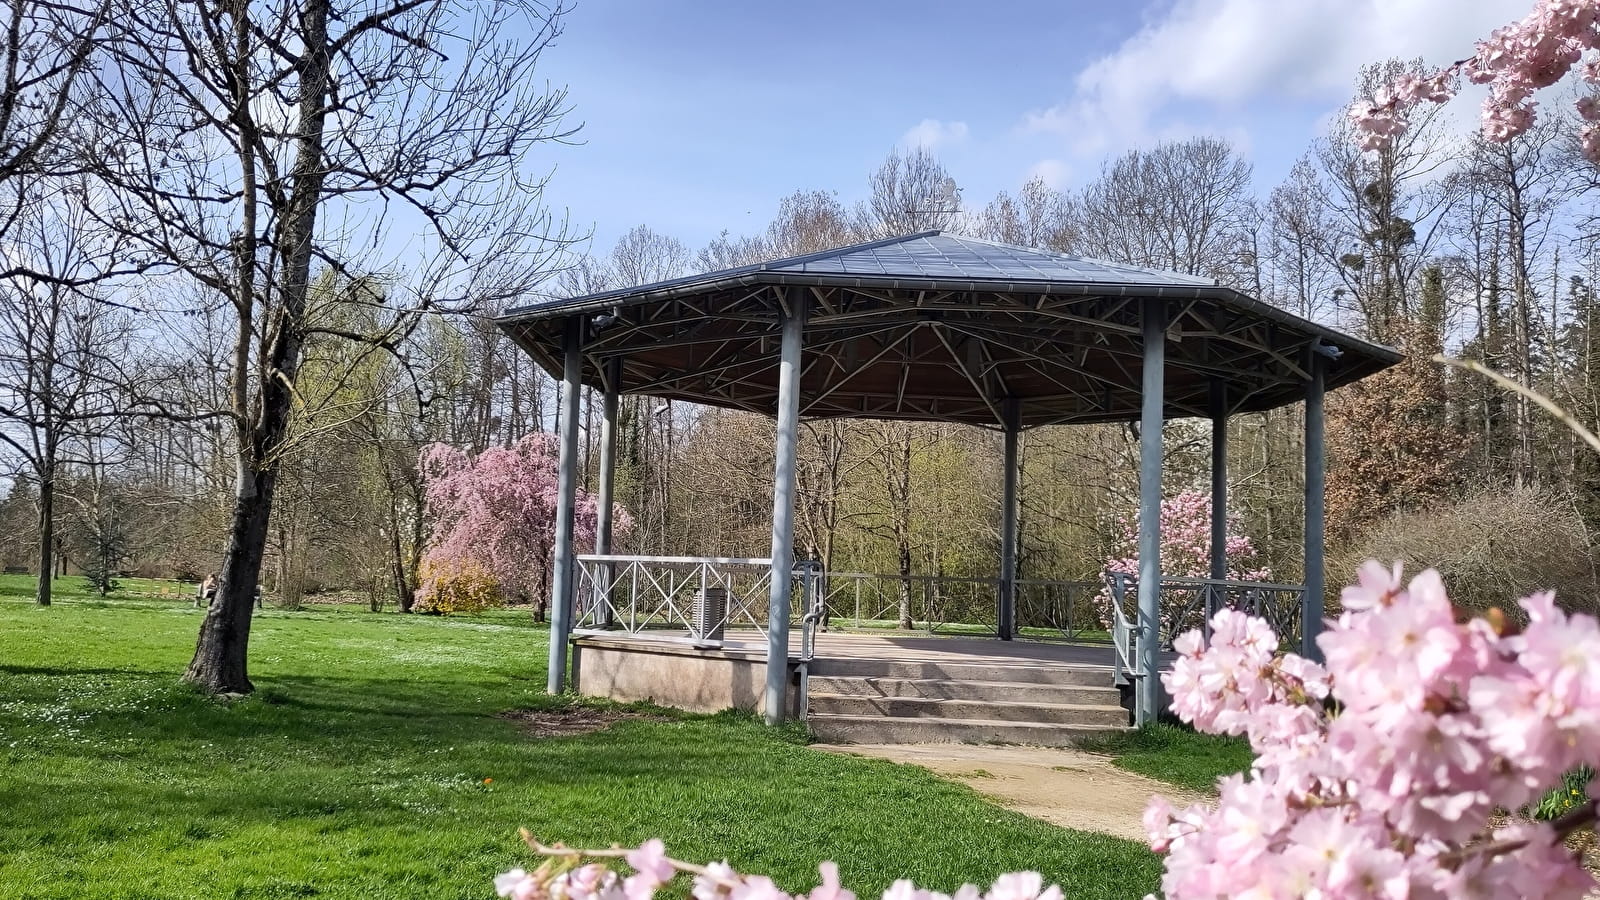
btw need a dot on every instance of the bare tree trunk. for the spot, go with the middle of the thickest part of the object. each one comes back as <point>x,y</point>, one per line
<point>905,583</point>
<point>219,664</point>
<point>397,556</point>
<point>219,657</point>
<point>47,533</point>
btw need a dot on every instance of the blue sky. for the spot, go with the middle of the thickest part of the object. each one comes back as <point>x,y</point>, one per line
<point>699,117</point>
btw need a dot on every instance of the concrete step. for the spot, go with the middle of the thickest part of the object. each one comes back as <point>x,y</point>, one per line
<point>890,730</point>
<point>1093,676</point>
<point>968,710</point>
<point>946,689</point>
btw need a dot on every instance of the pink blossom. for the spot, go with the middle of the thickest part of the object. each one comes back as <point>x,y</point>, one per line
<point>1515,61</point>
<point>1185,530</point>
<point>829,889</point>
<point>650,861</point>
<point>1389,792</point>
<point>516,884</point>
<point>496,511</point>
<point>710,886</point>
<point>757,887</point>
<point>590,882</point>
<point>1019,886</point>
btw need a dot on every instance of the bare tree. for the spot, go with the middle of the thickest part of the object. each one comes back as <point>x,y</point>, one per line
<point>810,222</point>
<point>910,193</point>
<point>1181,206</point>
<point>1524,182</point>
<point>1298,236</point>
<point>46,55</point>
<point>263,143</point>
<point>644,256</point>
<point>891,451</point>
<point>60,343</point>
<point>1039,216</point>
<point>1386,206</point>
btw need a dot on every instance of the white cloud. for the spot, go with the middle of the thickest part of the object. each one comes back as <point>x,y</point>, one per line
<point>1052,172</point>
<point>930,134</point>
<point>1233,52</point>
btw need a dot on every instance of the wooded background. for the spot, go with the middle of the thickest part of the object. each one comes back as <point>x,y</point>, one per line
<point>1440,243</point>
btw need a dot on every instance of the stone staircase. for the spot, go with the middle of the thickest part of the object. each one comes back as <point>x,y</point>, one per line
<point>876,701</point>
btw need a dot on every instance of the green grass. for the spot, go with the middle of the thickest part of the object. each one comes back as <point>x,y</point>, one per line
<point>1177,755</point>
<point>357,770</point>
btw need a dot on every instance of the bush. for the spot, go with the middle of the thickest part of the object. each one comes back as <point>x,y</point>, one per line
<point>1571,793</point>
<point>1491,547</point>
<point>456,587</point>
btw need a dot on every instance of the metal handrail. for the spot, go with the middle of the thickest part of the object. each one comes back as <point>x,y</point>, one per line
<point>816,610</point>
<point>1225,582</point>
<point>1045,608</point>
<point>751,561</point>
<point>635,594</point>
<point>1128,639</point>
<point>1279,604</point>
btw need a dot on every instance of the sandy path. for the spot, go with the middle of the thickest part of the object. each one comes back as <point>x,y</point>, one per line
<point>1067,787</point>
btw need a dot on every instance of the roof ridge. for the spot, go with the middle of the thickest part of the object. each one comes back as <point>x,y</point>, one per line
<point>1067,256</point>
<point>815,255</point>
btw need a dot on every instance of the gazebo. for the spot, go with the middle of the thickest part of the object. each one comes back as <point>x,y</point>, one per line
<point>942,328</point>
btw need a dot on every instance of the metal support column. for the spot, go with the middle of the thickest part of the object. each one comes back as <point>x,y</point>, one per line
<point>1219,480</point>
<point>1006,621</point>
<point>606,488</point>
<point>1219,496</point>
<point>1311,611</point>
<point>561,582</point>
<point>783,488</point>
<point>1154,320</point>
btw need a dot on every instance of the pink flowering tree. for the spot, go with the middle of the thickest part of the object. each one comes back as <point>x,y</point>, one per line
<point>496,513</point>
<point>1515,61</point>
<point>1185,553</point>
<point>1386,773</point>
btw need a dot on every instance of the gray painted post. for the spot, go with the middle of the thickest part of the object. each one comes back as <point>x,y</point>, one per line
<point>1006,620</point>
<point>1219,480</point>
<point>608,459</point>
<point>1311,601</point>
<point>608,472</point>
<point>1154,319</point>
<point>561,586</point>
<point>1219,499</point>
<point>783,477</point>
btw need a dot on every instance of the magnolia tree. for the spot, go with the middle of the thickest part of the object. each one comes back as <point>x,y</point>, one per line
<point>1185,552</point>
<point>494,520</point>
<point>1515,62</point>
<point>1386,773</point>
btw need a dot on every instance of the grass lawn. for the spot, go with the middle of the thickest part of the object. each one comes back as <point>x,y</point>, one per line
<point>358,770</point>
<point>1176,755</point>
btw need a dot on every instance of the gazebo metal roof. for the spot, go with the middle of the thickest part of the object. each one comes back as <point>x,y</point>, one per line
<point>942,327</point>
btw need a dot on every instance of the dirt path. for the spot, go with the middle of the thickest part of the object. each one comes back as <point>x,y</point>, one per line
<point>1067,787</point>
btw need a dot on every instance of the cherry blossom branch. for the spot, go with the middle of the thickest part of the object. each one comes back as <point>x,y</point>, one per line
<point>1571,821</point>
<point>561,851</point>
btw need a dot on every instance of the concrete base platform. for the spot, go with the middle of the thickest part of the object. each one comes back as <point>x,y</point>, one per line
<point>888,689</point>
<point>674,673</point>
